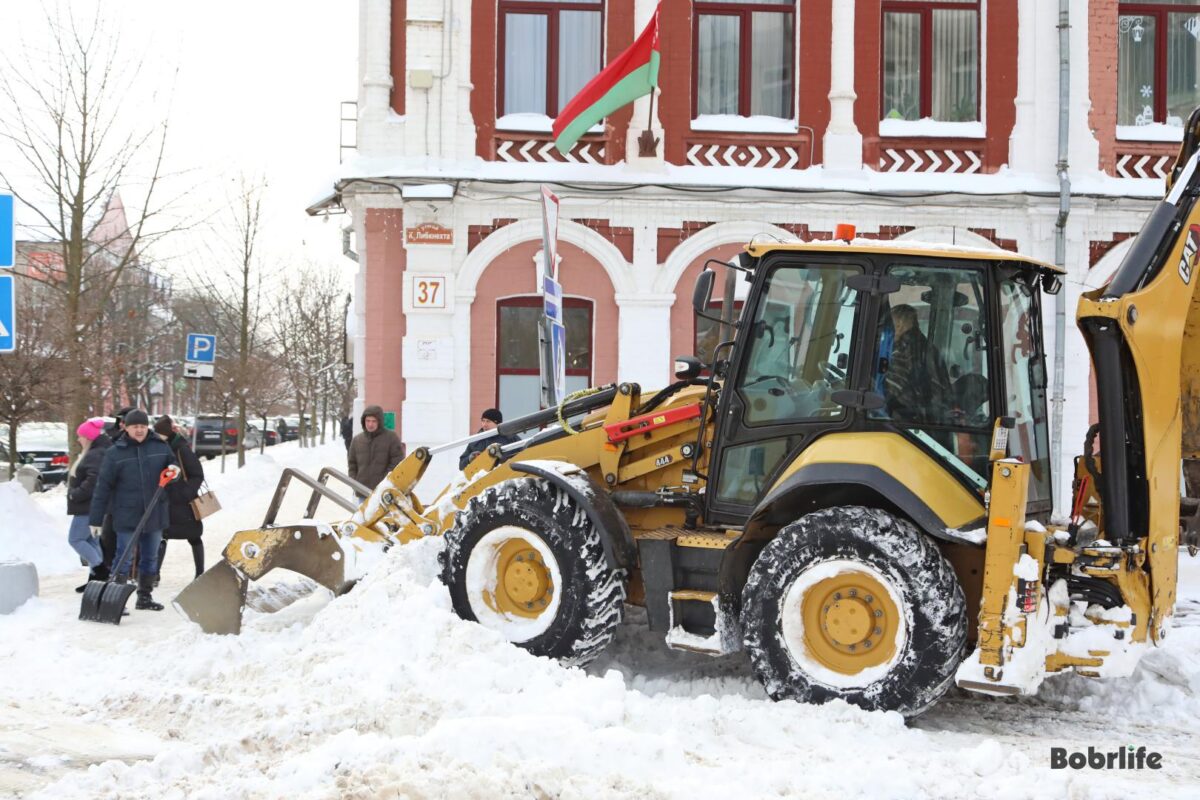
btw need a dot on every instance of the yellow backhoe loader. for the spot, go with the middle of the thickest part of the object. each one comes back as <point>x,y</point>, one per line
<point>855,487</point>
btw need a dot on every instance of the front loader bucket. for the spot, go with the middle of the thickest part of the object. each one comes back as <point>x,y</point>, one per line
<point>105,601</point>
<point>214,601</point>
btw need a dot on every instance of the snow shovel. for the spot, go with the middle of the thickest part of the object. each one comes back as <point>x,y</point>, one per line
<point>104,601</point>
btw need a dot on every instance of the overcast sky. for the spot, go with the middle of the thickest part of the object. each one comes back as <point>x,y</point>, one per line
<point>254,87</point>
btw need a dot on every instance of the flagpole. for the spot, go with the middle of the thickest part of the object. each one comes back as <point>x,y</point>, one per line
<point>647,144</point>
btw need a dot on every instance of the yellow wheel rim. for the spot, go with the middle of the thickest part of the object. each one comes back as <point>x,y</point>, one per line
<point>850,622</point>
<point>523,585</point>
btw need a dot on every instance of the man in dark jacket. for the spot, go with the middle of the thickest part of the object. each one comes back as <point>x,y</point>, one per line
<point>488,420</point>
<point>347,430</point>
<point>180,494</point>
<point>127,483</point>
<point>917,383</point>
<point>375,451</point>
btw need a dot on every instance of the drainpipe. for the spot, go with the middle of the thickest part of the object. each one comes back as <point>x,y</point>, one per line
<point>347,250</point>
<point>1060,235</point>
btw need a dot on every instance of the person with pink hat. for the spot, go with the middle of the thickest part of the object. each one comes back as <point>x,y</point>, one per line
<point>81,482</point>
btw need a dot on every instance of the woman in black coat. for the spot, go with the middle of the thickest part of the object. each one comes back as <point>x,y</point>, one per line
<point>80,485</point>
<point>180,494</point>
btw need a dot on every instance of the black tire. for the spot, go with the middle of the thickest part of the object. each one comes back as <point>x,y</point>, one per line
<point>590,596</point>
<point>920,584</point>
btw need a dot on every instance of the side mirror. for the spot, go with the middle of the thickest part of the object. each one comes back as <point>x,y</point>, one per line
<point>687,367</point>
<point>1051,284</point>
<point>702,293</point>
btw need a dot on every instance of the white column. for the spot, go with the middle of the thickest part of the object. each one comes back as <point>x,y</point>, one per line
<point>1022,150</point>
<point>374,58</point>
<point>842,144</point>
<point>644,339</point>
<point>642,9</point>
<point>1084,155</point>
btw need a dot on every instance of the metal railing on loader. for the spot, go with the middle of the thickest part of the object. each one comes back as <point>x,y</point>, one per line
<point>320,489</point>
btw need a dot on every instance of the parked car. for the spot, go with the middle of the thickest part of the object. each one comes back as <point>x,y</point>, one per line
<point>271,436</point>
<point>43,446</point>
<point>210,430</point>
<point>293,428</point>
<point>27,475</point>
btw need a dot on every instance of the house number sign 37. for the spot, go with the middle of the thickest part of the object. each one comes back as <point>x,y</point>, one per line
<point>429,291</point>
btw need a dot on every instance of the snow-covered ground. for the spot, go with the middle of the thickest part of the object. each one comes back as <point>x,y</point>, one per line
<point>385,693</point>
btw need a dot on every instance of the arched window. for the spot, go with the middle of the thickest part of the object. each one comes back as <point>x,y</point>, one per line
<point>518,382</point>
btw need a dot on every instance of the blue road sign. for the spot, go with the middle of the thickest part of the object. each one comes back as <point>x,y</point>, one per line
<point>8,315</point>
<point>201,347</point>
<point>7,237</point>
<point>552,301</point>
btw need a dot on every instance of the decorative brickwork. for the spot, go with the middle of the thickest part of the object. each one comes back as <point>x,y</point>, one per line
<point>990,234</point>
<point>539,149</point>
<point>1098,248</point>
<point>477,233</point>
<point>1144,159</point>
<point>795,152</point>
<point>622,238</point>
<point>670,238</point>
<point>924,155</point>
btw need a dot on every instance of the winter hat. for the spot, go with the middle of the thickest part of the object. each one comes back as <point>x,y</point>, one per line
<point>91,428</point>
<point>492,415</point>
<point>136,417</point>
<point>164,426</point>
<point>121,414</point>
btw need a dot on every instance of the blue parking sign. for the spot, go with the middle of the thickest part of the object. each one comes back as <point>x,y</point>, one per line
<point>8,314</point>
<point>7,237</point>
<point>201,347</point>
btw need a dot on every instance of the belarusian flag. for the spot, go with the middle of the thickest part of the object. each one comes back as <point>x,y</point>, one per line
<point>631,75</point>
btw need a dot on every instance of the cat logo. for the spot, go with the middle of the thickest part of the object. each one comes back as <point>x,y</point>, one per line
<point>662,461</point>
<point>1188,261</point>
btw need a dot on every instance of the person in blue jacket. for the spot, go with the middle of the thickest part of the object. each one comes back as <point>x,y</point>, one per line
<point>126,484</point>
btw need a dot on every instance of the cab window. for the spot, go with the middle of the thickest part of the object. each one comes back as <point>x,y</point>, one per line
<point>1025,384</point>
<point>800,345</point>
<point>931,364</point>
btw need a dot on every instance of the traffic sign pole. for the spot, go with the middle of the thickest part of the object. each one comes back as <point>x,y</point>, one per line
<point>8,314</point>
<point>8,238</point>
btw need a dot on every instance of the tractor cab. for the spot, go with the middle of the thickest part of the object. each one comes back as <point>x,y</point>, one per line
<point>875,352</point>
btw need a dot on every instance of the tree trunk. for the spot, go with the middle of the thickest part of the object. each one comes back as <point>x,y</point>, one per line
<point>12,450</point>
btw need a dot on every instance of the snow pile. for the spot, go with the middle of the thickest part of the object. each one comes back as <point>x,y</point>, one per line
<point>31,533</point>
<point>384,692</point>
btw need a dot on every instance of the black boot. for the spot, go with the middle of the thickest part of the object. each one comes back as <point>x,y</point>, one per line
<point>145,602</point>
<point>198,556</point>
<point>98,573</point>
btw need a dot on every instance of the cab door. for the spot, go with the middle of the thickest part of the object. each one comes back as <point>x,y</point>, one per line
<point>796,347</point>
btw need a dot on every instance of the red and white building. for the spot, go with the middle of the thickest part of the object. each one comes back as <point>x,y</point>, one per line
<point>935,120</point>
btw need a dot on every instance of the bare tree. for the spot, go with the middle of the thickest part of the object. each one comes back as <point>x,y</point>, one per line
<point>73,150</point>
<point>308,330</point>
<point>234,286</point>
<point>30,376</point>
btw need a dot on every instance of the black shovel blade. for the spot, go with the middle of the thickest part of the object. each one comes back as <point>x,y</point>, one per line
<point>105,602</point>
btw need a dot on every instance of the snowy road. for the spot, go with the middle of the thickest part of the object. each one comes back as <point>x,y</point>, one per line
<point>385,693</point>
